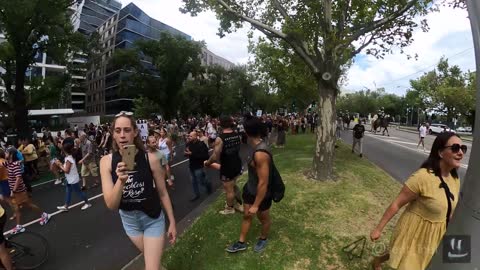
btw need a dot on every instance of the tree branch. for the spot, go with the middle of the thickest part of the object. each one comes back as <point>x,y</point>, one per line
<point>281,9</point>
<point>253,22</point>
<point>357,51</point>
<point>379,23</point>
<point>343,18</point>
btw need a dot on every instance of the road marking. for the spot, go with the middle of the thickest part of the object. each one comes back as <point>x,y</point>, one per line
<point>80,203</point>
<point>426,153</point>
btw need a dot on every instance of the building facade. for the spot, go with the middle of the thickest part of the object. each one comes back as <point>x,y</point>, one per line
<point>120,31</point>
<point>209,59</point>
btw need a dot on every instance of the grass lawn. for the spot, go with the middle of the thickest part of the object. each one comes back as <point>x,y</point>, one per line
<point>310,226</point>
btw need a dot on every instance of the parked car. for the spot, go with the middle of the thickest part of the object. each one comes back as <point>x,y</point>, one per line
<point>461,129</point>
<point>468,129</point>
<point>439,128</point>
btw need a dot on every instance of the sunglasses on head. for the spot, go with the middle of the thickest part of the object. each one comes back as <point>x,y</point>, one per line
<point>457,147</point>
<point>124,113</point>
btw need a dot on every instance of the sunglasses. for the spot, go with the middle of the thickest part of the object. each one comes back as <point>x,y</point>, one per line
<point>457,147</point>
<point>124,113</point>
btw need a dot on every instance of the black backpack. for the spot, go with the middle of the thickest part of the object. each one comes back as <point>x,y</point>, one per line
<point>275,183</point>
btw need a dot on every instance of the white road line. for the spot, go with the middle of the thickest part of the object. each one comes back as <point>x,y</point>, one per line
<point>79,203</point>
<point>417,150</point>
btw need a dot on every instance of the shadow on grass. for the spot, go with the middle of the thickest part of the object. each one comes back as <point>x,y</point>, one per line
<point>310,226</point>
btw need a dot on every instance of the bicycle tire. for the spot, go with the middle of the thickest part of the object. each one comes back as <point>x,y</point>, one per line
<point>22,246</point>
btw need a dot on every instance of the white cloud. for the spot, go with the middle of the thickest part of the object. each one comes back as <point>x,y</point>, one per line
<point>233,46</point>
<point>449,36</point>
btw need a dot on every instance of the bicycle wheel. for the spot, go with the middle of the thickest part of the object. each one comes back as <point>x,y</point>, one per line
<point>29,250</point>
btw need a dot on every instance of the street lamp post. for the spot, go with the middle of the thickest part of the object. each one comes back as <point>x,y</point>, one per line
<point>466,219</point>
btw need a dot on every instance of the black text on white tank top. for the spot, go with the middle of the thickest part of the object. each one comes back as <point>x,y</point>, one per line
<point>133,190</point>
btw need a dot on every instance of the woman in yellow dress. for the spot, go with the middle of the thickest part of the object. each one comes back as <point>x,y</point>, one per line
<point>422,225</point>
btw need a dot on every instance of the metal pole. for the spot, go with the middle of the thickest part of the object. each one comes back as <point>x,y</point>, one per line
<point>466,219</point>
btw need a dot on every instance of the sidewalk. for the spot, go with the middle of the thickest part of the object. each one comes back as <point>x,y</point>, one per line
<point>138,263</point>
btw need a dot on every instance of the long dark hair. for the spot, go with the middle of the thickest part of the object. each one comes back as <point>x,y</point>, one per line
<point>433,161</point>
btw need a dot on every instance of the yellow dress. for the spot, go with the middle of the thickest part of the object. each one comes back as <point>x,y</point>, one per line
<point>422,225</point>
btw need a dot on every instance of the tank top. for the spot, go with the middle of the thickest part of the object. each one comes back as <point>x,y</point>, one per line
<point>163,147</point>
<point>139,192</point>
<point>230,157</point>
<point>252,182</point>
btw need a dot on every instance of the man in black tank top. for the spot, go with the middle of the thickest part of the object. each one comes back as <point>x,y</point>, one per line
<point>227,152</point>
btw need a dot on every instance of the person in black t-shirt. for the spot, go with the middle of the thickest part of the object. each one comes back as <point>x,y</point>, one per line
<point>227,152</point>
<point>140,195</point>
<point>197,153</point>
<point>358,132</point>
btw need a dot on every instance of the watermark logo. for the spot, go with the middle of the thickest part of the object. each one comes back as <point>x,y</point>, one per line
<point>457,249</point>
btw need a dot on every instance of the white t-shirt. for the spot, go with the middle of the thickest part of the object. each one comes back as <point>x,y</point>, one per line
<point>72,176</point>
<point>423,131</point>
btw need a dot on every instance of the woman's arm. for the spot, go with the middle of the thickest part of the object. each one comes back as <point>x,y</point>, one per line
<point>405,196</point>
<point>64,167</point>
<point>112,193</point>
<point>159,177</point>
<point>170,147</point>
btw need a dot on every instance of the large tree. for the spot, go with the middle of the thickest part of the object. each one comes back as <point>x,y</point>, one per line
<point>31,27</point>
<point>174,59</point>
<point>326,35</point>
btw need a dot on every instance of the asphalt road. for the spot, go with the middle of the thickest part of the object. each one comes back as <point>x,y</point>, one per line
<point>94,238</point>
<point>398,154</point>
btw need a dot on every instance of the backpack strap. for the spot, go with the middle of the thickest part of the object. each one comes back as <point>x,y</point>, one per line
<point>449,197</point>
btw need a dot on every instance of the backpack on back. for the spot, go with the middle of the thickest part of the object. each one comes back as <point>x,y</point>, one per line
<point>276,186</point>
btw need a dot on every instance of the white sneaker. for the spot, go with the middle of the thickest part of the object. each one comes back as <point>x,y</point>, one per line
<point>227,211</point>
<point>44,219</point>
<point>63,208</point>
<point>86,206</point>
<point>58,181</point>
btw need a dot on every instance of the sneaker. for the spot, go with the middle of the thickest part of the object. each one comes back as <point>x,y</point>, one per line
<point>260,246</point>
<point>63,208</point>
<point>227,211</point>
<point>44,219</point>
<point>238,208</point>
<point>86,206</point>
<point>58,181</point>
<point>18,229</point>
<point>236,247</point>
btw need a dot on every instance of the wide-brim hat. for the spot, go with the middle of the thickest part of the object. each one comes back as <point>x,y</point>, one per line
<point>157,131</point>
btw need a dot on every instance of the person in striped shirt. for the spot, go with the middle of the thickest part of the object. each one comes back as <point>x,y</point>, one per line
<point>19,191</point>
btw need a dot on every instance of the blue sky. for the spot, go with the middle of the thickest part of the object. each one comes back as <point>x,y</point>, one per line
<point>449,36</point>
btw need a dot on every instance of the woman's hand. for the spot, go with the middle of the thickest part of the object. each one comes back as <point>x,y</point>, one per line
<point>121,172</point>
<point>375,234</point>
<point>172,234</point>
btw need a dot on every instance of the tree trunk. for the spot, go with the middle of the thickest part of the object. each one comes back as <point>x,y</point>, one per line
<point>20,103</point>
<point>466,216</point>
<point>325,144</point>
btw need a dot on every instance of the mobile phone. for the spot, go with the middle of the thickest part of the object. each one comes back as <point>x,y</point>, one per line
<point>128,156</point>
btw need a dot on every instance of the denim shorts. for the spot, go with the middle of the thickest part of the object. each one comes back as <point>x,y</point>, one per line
<point>137,223</point>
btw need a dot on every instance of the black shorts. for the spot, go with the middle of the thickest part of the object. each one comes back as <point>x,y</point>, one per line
<point>229,177</point>
<point>3,220</point>
<point>249,198</point>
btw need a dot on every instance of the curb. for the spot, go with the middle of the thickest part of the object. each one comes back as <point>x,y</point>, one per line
<point>137,262</point>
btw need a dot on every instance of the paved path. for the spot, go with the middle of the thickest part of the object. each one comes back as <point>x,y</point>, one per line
<point>398,154</point>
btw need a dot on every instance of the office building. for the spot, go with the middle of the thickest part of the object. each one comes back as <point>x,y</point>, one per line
<point>208,58</point>
<point>120,31</point>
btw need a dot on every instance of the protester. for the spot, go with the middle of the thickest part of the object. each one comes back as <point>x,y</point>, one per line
<point>165,146</point>
<point>4,253</point>
<point>31,158</point>
<point>140,210</point>
<point>432,195</point>
<point>89,165</point>
<point>197,153</point>
<point>256,197</point>
<point>358,133</point>
<point>53,154</point>
<point>19,191</point>
<point>73,179</point>
<point>422,133</point>
<point>227,152</point>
